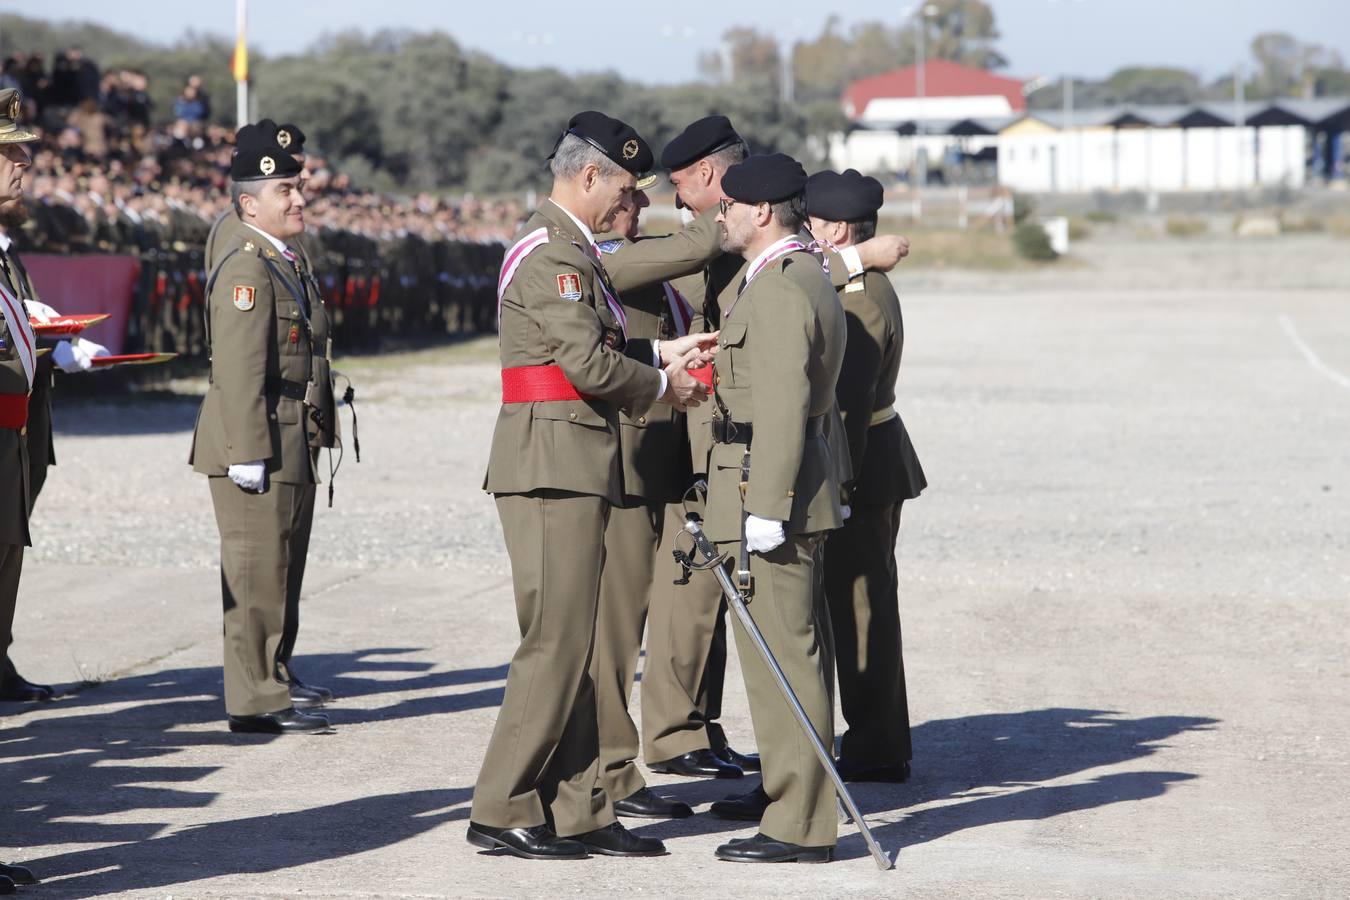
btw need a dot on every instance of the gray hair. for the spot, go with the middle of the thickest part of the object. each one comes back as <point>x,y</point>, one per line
<point>728,156</point>
<point>237,190</point>
<point>574,154</point>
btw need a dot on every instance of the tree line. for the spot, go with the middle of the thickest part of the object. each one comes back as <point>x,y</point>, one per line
<point>417,111</point>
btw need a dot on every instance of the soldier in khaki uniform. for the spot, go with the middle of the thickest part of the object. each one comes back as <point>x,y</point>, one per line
<point>568,366</point>
<point>861,581</point>
<point>656,472</point>
<point>18,367</point>
<point>267,411</point>
<point>781,346</point>
<point>686,643</point>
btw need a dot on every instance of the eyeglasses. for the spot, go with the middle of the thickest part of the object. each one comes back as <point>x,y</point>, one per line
<point>725,204</point>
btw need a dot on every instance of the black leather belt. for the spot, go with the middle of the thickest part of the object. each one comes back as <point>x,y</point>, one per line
<point>726,431</point>
<point>295,390</point>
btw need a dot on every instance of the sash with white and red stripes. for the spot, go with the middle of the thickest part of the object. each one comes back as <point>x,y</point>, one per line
<point>681,313</point>
<point>789,244</point>
<point>511,262</point>
<point>24,342</point>
<point>610,300</point>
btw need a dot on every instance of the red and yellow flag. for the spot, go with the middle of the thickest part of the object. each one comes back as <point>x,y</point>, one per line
<point>239,61</point>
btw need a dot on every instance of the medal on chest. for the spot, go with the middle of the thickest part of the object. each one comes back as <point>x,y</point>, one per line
<point>294,336</point>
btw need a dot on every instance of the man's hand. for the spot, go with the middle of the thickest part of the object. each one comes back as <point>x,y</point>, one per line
<point>883,252</point>
<point>763,535</point>
<point>41,311</point>
<point>249,476</point>
<point>674,348</point>
<point>682,389</point>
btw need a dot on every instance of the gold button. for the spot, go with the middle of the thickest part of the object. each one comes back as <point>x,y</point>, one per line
<point>642,420</point>
<point>792,494</point>
<point>23,430</point>
<point>572,416</point>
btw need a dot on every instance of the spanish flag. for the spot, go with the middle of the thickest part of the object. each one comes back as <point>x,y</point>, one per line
<point>239,62</point>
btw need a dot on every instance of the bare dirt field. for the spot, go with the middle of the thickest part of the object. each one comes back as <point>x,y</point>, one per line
<point>1124,598</point>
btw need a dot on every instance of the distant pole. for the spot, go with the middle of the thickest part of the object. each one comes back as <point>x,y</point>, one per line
<point>1068,131</point>
<point>1240,121</point>
<point>241,62</point>
<point>788,86</point>
<point>919,84</point>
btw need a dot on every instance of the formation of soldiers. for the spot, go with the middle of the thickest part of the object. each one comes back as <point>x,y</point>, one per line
<point>391,268</point>
<point>633,369</point>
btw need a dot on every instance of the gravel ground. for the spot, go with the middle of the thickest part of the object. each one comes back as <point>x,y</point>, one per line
<point>1124,598</point>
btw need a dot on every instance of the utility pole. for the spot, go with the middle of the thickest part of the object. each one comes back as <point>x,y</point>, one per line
<point>788,76</point>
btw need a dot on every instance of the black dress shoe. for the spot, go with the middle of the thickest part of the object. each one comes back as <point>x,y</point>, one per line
<point>20,690</point>
<point>288,721</point>
<point>615,840</point>
<point>761,849</point>
<point>535,842</point>
<point>7,886</point>
<point>697,764</point>
<point>886,773</point>
<point>643,804</point>
<point>742,807</point>
<point>17,874</point>
<point>746,762</point>
<point>303,697</point>
<point>324,693</point>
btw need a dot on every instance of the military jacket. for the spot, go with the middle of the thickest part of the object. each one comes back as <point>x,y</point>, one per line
<point>269,337</point>
<point>14,500</point>
<point>782,344</point>
<point>554,312</point>
<point>886,468</point>
<point>652,445</point>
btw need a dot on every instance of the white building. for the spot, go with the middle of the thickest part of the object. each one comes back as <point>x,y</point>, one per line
<point>897,114</point>
<point>1160,148</point>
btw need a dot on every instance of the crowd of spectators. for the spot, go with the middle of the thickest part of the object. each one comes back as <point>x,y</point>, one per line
<point>106,179</point>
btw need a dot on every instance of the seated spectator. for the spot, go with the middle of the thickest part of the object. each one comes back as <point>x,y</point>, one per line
<point>190,107</point>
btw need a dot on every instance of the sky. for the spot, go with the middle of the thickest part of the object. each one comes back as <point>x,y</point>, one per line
<point>661,43</point>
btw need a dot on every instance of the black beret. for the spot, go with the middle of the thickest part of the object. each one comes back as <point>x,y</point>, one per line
<point>847,196</point>
<point>703,138</point>
<point>615,139</point>
<point>764,179</point>
<point>291,138</point>
<point>257,155</point>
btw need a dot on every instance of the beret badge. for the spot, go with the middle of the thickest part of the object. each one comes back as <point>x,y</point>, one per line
<point>267,165</point>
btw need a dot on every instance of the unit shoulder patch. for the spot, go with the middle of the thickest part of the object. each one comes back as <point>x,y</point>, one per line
<point>243,297</point>
<point>609,246</point>
<point>569,286</point>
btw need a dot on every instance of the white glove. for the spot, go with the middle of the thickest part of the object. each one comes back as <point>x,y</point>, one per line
<point>41,311</point>
<point>70,358</point>
<point>248,476</point>
<point>763,535</point>
<point>93,350</point>
<point>848,511</point>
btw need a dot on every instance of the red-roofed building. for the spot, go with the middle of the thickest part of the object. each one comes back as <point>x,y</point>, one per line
<point>951,92</point>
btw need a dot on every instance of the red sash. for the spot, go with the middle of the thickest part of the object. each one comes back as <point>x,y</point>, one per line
<point>537,384</point>
<point>13,410</point>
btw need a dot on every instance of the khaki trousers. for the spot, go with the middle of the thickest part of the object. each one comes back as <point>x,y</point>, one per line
<point>295,579</point>
<point>789,610</point>
<point>680,695</point>
<point>11,567</point>
<point>861,585</point>
<point>263,542</point>
<point>633,537</point>
<point>543,760</point>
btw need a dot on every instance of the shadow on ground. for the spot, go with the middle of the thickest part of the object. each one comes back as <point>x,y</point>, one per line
<point>111,747</point>
<point>993,766</point>
<point>115,743</point>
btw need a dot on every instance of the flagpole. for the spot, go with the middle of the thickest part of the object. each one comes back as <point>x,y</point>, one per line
<point>241,62</point>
